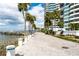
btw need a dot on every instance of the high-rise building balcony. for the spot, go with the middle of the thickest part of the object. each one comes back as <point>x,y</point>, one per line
<point>75,9</point>
<point>74,18</point>
<point>74,5</point>
<point>74,15</point>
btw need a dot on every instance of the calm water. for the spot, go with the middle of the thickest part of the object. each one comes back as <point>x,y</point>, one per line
<point>4,37</point>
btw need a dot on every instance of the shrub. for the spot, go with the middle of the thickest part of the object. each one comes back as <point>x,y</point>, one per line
<point>77,37</point>
<point>44,31</point>
<point>49,32</point>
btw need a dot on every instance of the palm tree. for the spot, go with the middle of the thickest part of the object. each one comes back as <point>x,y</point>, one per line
<point>31,19</point>
<point>22,7</point>
<point>47,22</point>
<point>55,15</point>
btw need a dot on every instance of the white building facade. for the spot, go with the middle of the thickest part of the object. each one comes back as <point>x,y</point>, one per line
<point>71,15</point>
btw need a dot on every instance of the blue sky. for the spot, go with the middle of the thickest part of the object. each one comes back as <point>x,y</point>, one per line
<point>12,20</point>
<point>37,9</point>
<point>36,4</point>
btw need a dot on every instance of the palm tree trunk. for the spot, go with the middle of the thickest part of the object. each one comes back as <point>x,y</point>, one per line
<point>25,28</point>
<point>24,22</point>
<point>29,27</point>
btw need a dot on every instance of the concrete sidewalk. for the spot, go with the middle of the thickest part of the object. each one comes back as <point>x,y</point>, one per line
<point>41,44</point>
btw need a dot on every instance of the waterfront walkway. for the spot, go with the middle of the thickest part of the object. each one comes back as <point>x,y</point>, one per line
<point>41,44</point>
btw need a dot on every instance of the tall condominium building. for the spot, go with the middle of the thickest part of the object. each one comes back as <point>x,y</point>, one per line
<point>50,7</point>
<point>66,15</point>
<point>61,9</point>
<point>71,14</point>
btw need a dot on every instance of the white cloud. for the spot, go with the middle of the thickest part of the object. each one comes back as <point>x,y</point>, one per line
<point>2,24</point>
<point>38,11</point>
<point>9,13</point>
<point>10,9</point>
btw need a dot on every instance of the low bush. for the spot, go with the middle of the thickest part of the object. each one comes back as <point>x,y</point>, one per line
<point>49,32</point>
<point>77,37</point>
<point>52,32</point>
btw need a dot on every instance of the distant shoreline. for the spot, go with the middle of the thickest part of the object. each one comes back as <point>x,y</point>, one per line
<point>12,33</point>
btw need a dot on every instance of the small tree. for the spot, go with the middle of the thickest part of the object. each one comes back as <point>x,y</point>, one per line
<point>76,26</point>
<point>72,26</point>
<point>60,24</point>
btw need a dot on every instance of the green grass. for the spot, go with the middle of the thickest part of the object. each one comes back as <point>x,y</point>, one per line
<point>69,38</point>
